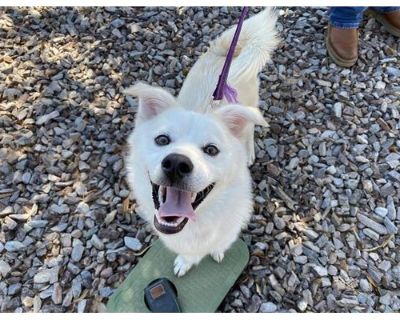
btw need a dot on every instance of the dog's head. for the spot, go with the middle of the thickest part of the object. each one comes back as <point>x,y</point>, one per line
<point>186,155</point>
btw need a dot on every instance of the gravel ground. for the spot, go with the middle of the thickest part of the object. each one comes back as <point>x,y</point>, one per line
<point>324,235</point>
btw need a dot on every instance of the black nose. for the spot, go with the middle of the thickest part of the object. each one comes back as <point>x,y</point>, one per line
<point>176,166</point>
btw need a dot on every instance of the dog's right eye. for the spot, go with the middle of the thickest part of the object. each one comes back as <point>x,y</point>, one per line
<point>162,140</point>
<point>211,150</point>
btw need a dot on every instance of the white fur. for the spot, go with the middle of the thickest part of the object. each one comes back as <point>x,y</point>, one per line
<point>191,123</point>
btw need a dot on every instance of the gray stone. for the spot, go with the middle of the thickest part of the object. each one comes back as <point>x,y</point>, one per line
<point>348,302</point>
<point>268,307</point>
<point>106,292</point>
<point>47,117</point>
<point>272,151</point>
<point>82,208</point>
<point>117,23</point>
<point>37,223</point>
<point>294,162</point>
<point>66,154</point>
<point>395,72</point>
<point>377,227</point>
<point>302,305</point>
<point>362,139</point>
<point>124,193</point>
<point>14,289</point>
<point>381,211</point>
<point>77,252</point>
<point>81,306</point>
<point>337,109</point>
<point>279,223</point>
<point>47,275</point>
<point>300,259</point>
<point>331,170</point>
<point>385,299</point>
<point>280,272</point>
<point>10,223</point>
<point>59,209</point>
<point>390,226</point>
<point>73,268</point>
<point>311,234</point>
<point>46,293</point>
<point>97,243</point>
<point>394,175</point>
<point>313,159</point>
<point>367,185</point>
<point>13,246</point>
<point>133,243</point>
<point>26,177</point>
<point>67,299</point>
<point>371,234</point>
<point>392,157</point>
<point>375,274</point>
<point>391,208</point>
<point>380,85</point>
<point>321,271</point>
<point>117,33</point>
<point>385,265</point>
<point>117,166</point>
<point>365,286</point>
<point>4,268</point>
<point>323,83</point>
<point>56,296</point>
<point>332,270</point>
<point>326,282</point>
<point>6,211</point>
<point>76,286</point>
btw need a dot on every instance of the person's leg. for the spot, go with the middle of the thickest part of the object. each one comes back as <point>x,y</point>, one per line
<point>386,9</point>
<point>346,17</point>
<point>342,39</point>
<point>389,17</point>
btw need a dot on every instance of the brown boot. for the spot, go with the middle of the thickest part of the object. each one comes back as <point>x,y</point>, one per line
<point>342,46</point>
<point>390,20</point>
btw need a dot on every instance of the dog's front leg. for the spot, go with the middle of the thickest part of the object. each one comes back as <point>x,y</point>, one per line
<point>182,264</point>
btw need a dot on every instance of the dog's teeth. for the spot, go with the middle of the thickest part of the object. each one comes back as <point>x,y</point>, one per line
<point>169,224</point>
<point>194,194</point>
<point>163,222</point>
<point>160,194</point>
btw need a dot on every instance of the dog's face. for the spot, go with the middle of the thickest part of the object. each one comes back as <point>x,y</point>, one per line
<point>186,155</point>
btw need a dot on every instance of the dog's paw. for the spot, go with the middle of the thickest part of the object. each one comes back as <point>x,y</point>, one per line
<point>217,256</point>
<point>181,266</point>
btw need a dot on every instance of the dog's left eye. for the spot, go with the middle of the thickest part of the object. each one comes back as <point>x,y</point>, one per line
<point>211,150</point>
<point>162,140</point>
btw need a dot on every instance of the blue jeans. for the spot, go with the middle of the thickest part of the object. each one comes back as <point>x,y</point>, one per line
<point>350,17</point>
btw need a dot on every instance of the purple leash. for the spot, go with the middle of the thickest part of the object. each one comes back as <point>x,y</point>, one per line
<point>223,90</point>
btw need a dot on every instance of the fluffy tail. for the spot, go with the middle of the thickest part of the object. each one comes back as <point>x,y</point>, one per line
<point>257,40</point>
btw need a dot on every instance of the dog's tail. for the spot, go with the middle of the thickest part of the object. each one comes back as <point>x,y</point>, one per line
<point>257,40</point>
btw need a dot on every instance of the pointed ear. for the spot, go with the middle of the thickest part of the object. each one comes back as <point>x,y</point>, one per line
<point>237,117</point>
<point>152,101</point>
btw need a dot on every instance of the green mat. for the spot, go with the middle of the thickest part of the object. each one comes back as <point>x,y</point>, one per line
<point>202,289</point>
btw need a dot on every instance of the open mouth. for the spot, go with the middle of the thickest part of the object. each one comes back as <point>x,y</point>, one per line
<point>175,206</point>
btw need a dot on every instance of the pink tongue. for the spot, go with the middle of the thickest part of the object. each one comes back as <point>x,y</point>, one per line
<point>178,203</point>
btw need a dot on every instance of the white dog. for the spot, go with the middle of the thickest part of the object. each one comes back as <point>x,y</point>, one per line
<point>187,163</point>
